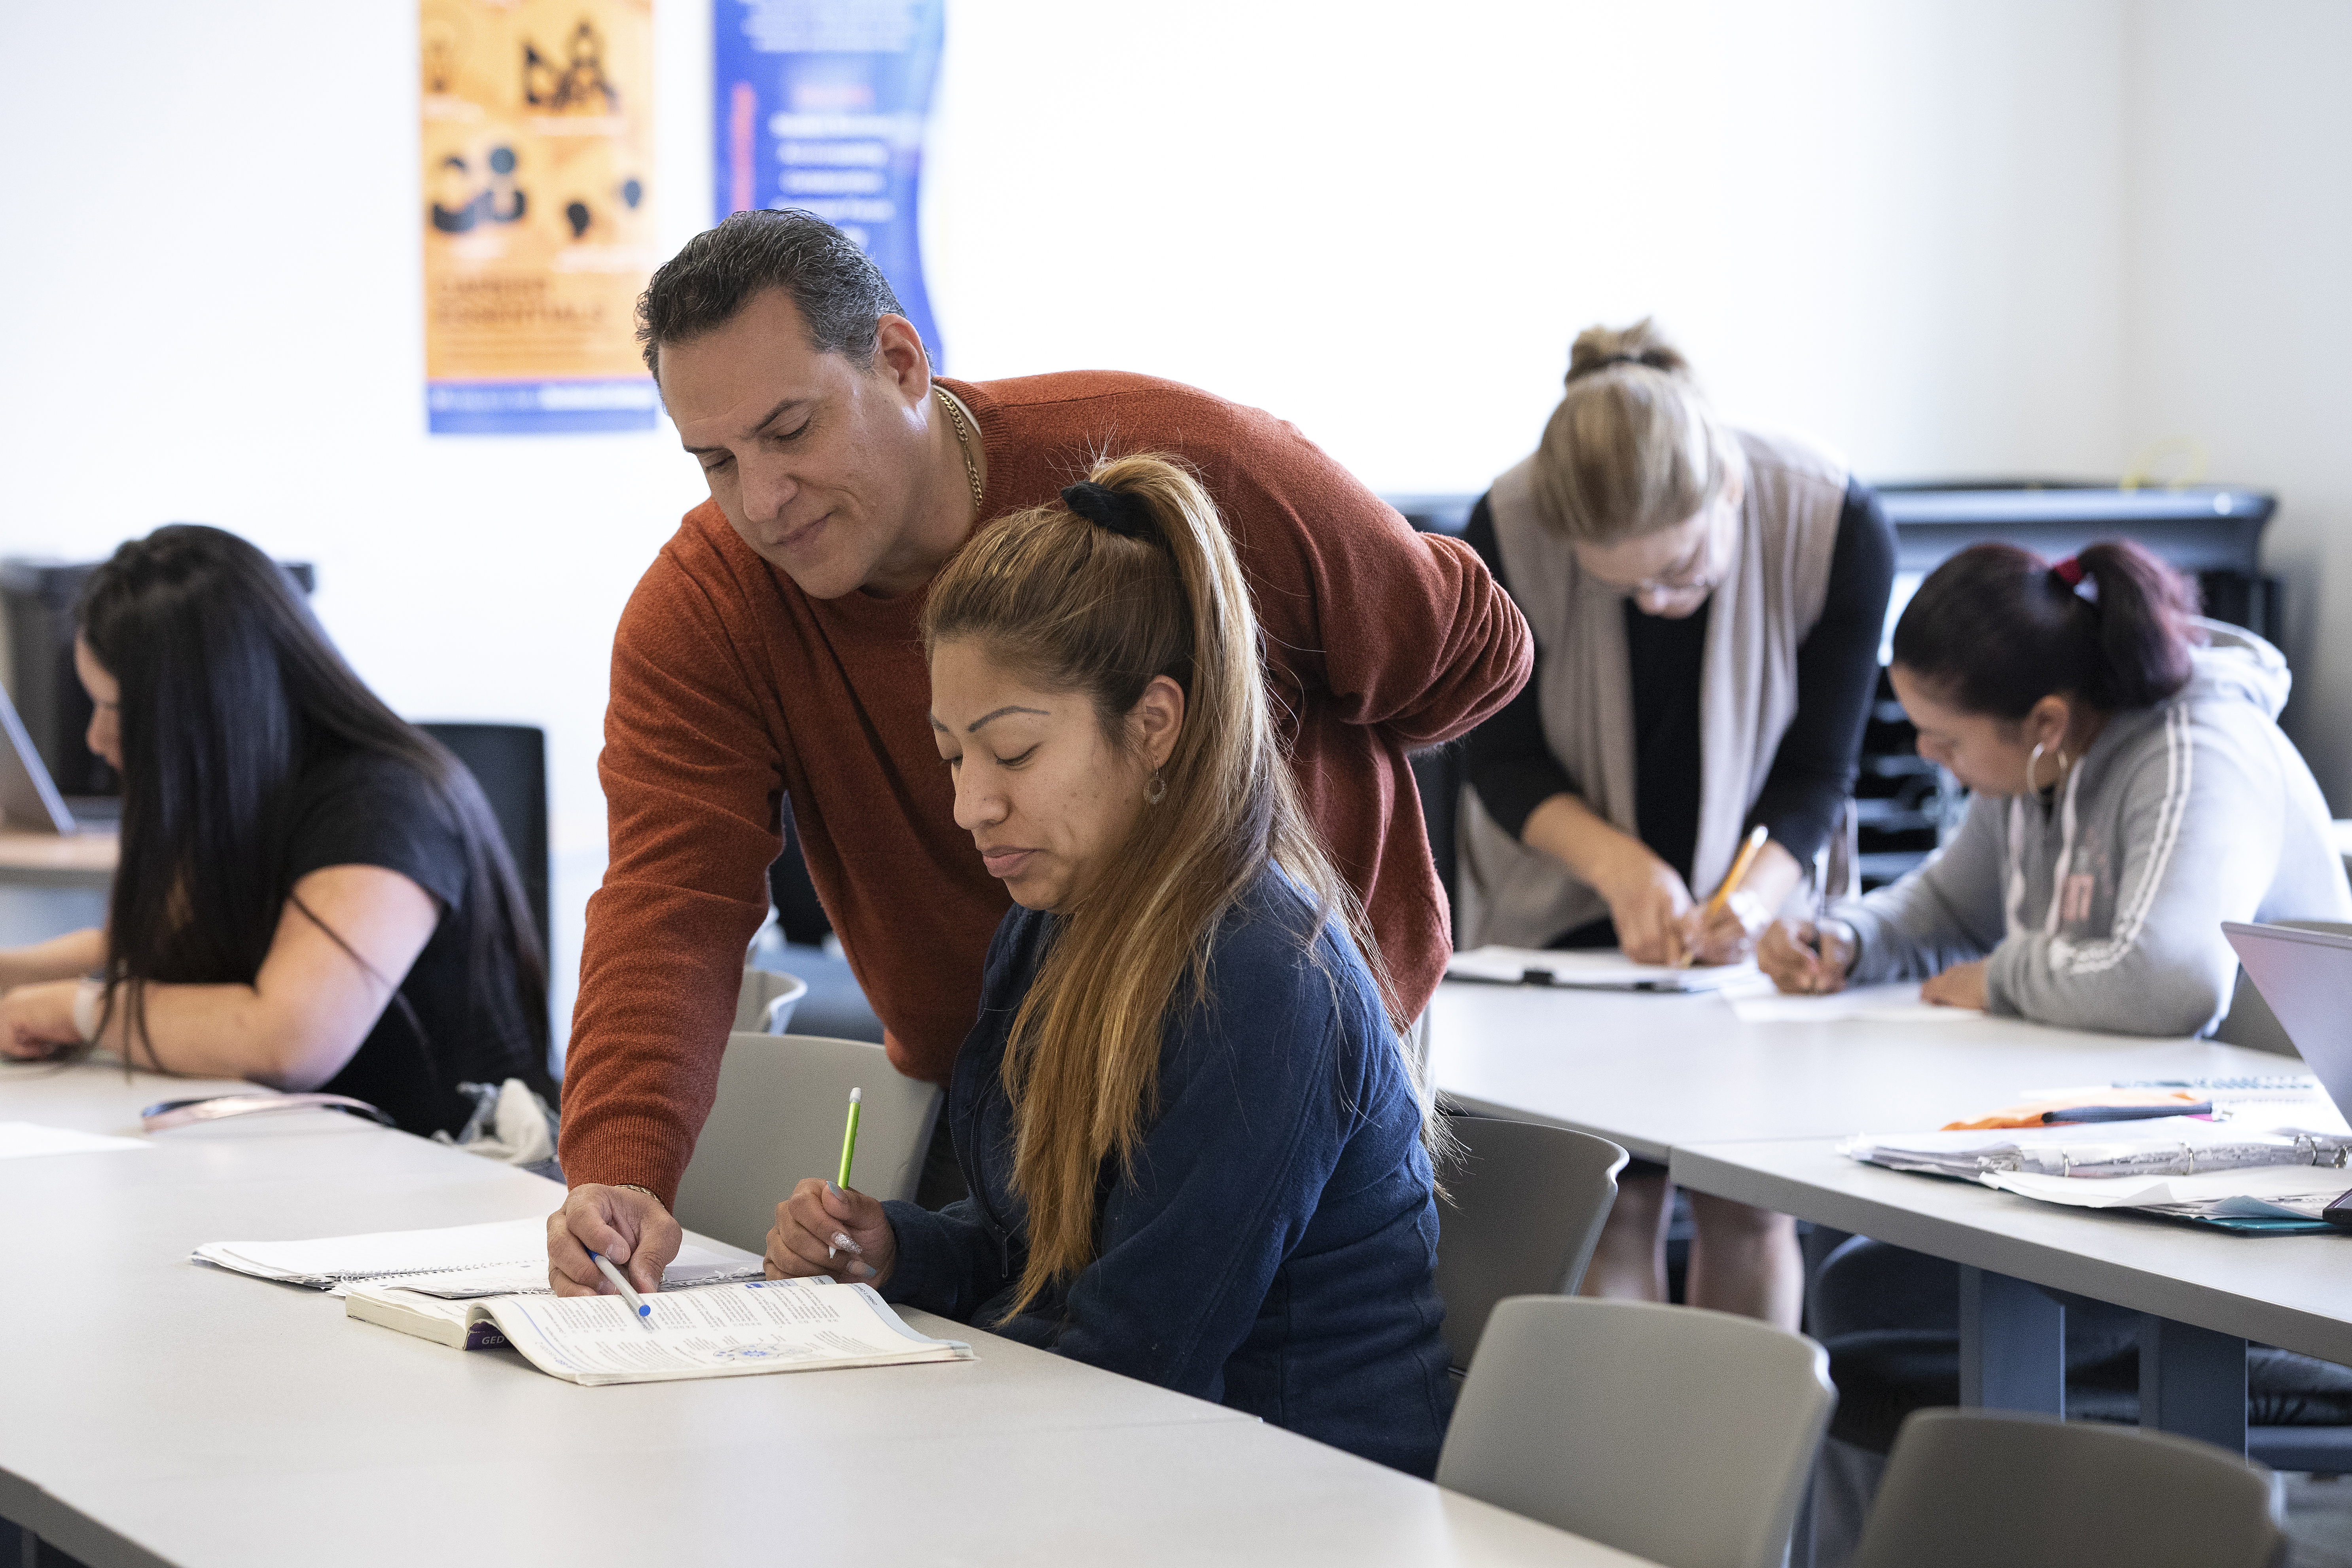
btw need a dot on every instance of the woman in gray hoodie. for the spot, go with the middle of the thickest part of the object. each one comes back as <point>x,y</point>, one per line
<point>2130,793</point>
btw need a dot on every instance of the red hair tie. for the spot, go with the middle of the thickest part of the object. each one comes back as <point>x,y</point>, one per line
<point>2069,572</point>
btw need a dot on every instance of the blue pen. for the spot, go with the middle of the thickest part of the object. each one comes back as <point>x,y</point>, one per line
<point>621,1283</point>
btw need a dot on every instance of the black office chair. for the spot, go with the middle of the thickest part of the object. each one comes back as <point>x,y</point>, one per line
<point>1890,1319</point>
<point>835,1005</point>
<point>509,762</point>
<point>1437,779</point>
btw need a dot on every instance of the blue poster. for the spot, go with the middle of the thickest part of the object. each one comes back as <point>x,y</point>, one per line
<point>821,104</point>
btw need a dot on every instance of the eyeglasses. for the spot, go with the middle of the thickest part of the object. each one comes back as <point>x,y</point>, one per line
<point>1691,577</point>
<point>1681,582</point>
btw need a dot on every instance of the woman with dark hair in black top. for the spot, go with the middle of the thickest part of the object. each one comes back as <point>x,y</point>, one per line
<point>1707,604</point>
<point>312,893</point>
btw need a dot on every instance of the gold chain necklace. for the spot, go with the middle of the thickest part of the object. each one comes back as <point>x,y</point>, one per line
<point>963,443</point>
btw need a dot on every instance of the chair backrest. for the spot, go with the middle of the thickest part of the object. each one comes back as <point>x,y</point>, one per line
<point>509,762</point>
<point>1526,1205</point>
<point>1970,1487</point>
<point>1676,1433</point>
<point>764,1005</point>
<point>778,1118</point>
<point>2250,1021</point>
<point>1437,779</point>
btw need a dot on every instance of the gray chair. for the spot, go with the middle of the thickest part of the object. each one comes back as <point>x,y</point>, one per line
<point>1964,1488</point>
<point>764,1005</point>
<point>1525,1206</point>
<point>2250,1021</point>
<point>778,1117</point>
<point>1676,1433</point>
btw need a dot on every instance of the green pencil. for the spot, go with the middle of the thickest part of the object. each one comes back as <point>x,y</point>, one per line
<point>849,1137</point>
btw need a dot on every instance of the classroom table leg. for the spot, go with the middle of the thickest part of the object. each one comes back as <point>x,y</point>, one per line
<point>2193,1382</point>
<point>2012,1344</point>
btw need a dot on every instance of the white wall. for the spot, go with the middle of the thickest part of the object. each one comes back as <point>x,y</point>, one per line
<point>1917,230</point>
<point>2239,298</point>
<point>1386,221</point>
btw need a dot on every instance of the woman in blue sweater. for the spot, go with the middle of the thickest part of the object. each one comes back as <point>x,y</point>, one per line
<point>1196,1151</point>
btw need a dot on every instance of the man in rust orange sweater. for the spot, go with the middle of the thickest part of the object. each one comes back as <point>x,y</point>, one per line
<point>770,652</point>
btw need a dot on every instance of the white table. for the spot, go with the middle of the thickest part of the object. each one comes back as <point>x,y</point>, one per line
<point>180,1415</point>
<point>2204,1293</point>
<point>1747,1112</point>
<point>1655,1072</point>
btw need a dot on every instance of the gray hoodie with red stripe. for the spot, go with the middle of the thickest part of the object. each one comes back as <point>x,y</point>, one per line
<point>2102,907</point>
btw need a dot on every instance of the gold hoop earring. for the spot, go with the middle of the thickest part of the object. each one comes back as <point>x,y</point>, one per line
<point>1156,791</point>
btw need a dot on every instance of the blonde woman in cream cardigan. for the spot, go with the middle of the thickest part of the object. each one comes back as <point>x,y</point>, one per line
<point>1707,604</point>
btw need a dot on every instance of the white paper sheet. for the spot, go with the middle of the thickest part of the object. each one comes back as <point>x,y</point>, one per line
<point>719,1331</point>
<point>1598,969</point>
<point>24,1139</point>
<point>515,1248</point>
<point>693,1266</point>
<point>2269,1182</point>
<point>1767,1004</point>
<point>2141,1151</point>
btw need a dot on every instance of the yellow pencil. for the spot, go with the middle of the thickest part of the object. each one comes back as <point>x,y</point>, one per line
<point>1756,839</point>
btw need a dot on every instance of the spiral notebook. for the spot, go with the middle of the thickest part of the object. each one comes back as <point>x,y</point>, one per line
<point>504,1257</point>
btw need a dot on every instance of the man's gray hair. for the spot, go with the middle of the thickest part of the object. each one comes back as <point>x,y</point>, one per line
<point>839,293</point>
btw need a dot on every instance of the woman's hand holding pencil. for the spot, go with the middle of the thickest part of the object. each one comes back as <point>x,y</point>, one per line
<point>851,1231</point>
<point>826,1228</point>
<point>1725,930</point>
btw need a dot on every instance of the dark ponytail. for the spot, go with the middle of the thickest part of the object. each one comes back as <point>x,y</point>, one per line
<point>1996,628</point>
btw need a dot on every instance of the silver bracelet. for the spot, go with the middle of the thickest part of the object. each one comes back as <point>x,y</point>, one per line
<point>89,1005</point>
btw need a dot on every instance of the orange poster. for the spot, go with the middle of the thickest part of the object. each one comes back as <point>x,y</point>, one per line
<point>538,146</point>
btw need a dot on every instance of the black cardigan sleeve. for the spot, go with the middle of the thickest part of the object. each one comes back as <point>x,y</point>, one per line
<point>1837,675</point>
<point>1507,759</point>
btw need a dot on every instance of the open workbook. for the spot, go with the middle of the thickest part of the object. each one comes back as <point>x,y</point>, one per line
<point>710,1331</point>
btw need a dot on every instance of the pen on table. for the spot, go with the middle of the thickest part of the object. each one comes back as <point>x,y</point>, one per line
<point>2125,1112</point>
<point>1834,880</point>
<point>1747,853</point>
<point>621,1283</point>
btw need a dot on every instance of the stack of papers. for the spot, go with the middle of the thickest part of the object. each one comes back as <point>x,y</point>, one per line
<point>1592,970</point>
<point>2217,1171</point>
<point>2159,1146</point>
<point>505,1258</point>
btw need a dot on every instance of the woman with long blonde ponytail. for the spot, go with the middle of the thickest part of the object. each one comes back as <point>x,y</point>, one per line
<point>1196,1150</point>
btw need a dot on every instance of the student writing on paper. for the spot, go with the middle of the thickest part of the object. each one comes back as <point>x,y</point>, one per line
<point>1196,1149</point>
<point>770,651</point>
<point>2130,792</point>
<point>1707,604</point>
<point>312,894</point>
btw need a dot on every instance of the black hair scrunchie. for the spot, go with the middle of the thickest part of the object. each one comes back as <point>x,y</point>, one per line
<point>1106,508</point>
